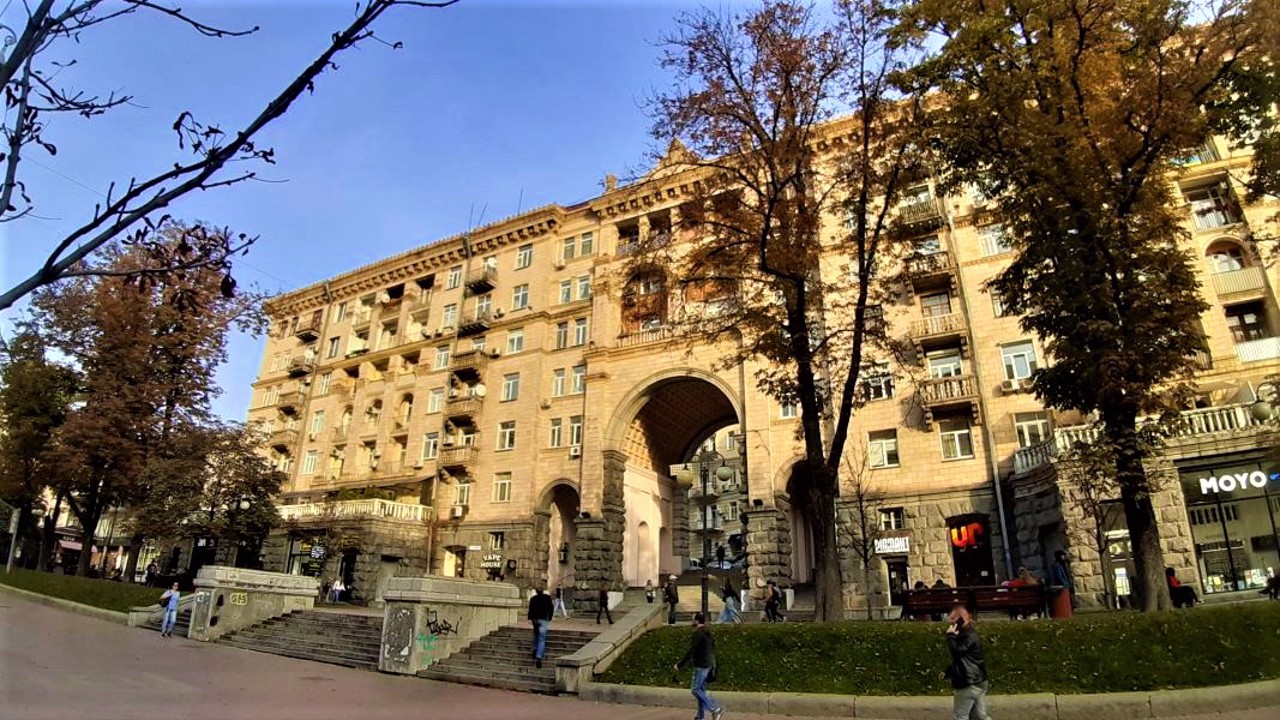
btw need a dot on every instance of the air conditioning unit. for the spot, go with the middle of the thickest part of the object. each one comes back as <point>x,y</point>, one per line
<point>417,464</point>
<point>497,312</point>
<point>1025,384</point>
<point>494,354</point>
<point>1009,386</point>
<point>457,511</point>
<point>426,334</point>
<point>559,265</point>
<point>575,451</point>
<point>546,404</point>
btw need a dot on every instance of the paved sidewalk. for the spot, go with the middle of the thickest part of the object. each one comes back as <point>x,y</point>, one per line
<point>57,665</point>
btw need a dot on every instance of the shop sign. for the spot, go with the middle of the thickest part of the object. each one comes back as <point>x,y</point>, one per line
<point>492,561</point>
<point>967,536</point>
<point>1230,482</point>
<point>893,545</point>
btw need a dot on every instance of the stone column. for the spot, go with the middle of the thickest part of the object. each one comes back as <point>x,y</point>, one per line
<point>679,525</point>
<point>768,551</point>
<point>598,554</point>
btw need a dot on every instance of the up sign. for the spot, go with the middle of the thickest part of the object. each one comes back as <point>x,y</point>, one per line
<point>1233,481</point>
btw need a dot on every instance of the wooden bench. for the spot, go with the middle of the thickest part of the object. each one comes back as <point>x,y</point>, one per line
<point>925,603</point>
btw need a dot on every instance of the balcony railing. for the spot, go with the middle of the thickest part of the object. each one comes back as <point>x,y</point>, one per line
<point>462,456</point>
<point>470,363</point>
<point>712,494</point>
<point>1245,281</point>
<point>928,270</point>
<point>644,337</point>
<point>289,402</point>
<point>700,523</point>
<point>302,365</point>
<point>482,281</point>
<point>285,438</point>
<point>308,330</point>
<point>951,324</point>
<point>476,323</point>
<point>921,211</point>
<point>355,508</point>
<point>463,406</point>
<point>948,390</point>
<point>1258,350</point>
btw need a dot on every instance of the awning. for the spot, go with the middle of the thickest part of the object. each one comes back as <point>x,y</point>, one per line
<point>69,545</point>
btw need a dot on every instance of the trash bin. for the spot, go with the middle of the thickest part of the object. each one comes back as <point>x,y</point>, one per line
<point>1060,603</point>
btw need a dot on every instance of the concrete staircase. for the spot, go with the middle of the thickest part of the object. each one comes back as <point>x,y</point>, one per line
<point>504,659</point>
<point>180,628</point>
<point>344,639</point>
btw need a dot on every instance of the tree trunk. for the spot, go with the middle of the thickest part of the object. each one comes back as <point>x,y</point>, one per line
<point>828,602</point>
<point>1139,511</point>
<point>49,536</point>
<point>131,565</point>
<point>866,586</point>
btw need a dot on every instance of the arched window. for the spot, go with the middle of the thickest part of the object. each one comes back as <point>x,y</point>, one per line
<point>1225,256</point>
<point>406,408</point>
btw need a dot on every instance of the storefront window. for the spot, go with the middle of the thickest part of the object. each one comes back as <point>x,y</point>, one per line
<point>1234,512</point>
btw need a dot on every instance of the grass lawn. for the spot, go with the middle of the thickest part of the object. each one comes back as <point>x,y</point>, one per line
<point>1112,652</point>
<point>98,593</point>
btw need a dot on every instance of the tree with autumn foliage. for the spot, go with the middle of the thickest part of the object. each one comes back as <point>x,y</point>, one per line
<point>1071,115</point>
<point>146,347</point>
<point>789,123</point>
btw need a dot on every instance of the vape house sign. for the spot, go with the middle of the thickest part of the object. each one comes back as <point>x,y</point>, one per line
<point>1230,482</point>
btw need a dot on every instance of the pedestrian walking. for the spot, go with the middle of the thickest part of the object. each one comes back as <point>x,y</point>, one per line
<point>702,655</point>
<point>335,590</point>
<point>170,602</point>
<point>720,556</point>
<point>648,591</point>
<point>1060,581</point>
<point>541,612</point>
<point>150,577</point>
<point>671,596</point>
<point>602,606</point>
<point>773,603</point>
<point>559,605</point>
<point>968,669</point>
<point>730,612</point>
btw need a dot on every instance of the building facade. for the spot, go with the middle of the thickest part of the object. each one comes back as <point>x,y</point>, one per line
<point>516,403</point>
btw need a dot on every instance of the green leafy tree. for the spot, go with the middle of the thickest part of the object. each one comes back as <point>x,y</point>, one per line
<point>1071,116</point>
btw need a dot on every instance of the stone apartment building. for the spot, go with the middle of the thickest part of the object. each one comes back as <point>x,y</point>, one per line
<point>514,404</point>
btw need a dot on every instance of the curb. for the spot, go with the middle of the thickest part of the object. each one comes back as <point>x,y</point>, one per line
<point>114,616</point>
<point>1038,706</point>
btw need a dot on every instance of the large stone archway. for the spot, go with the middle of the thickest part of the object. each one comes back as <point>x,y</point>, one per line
<point>555,533</point>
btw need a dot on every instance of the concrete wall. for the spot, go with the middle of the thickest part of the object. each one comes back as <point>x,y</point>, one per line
<point>427,619</point>
<point>229,599</point>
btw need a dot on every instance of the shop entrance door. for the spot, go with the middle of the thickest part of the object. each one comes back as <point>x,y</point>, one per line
<point>899,580</point>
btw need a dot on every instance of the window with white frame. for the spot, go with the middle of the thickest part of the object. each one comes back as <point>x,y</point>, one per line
<point>273,395</point>
<point>957,438</point>
<point>524,256</point>
<point>566,291</point>
<point>510,387</point>
<point>1226,259</point>
<point>893,519</point>
<point>1212,207</point>
<point>430,445</point>
<point>588,244</point>
<point>1019,360</point>
<point>936,305</point>
<point>497,540</point>
<point>449,317</point>
<point>317,422</point>
<point>515,340</point>
<point>309,462</point>
<point>477,343</point>
<point>575,430</point>
<point>569,248</point>
<point>557,382</point>
<point>579,379</point>
<point>484,304</point>
<point>580,331</point>
<point>334,343</point>
<point>507,435</point>
<point>325,384</point>
<point>878,383</point>
<point>562,335</point>
<point>994,239</point>
<point>556,438</point>
<point>997,304</point>
<point>453,278</point>
<point>501,490</point>
<point>584,287</point>
<point>442,357</point>
<point>435,399</point>
<point>342,312</point>
<point>882,448</point>
<point>520,297</point>
<point>788,410</point>
<point>1032,427</point>
<point>945,364</point>
<point>462,493</point>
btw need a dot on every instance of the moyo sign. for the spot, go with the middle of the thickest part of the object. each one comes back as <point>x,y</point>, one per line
<point>893,545</point>
<point>1234,481</point>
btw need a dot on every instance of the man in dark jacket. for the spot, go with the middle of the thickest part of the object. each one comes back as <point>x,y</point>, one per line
<point>602,606</point>
<point>702,654</point>
<point>541,610</point>
<point>671,596</point>
<point>968,669</point>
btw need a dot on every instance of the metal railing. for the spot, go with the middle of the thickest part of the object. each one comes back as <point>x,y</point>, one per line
<point>921,211</point>
<point>930,264</point>
<point>938,325</point>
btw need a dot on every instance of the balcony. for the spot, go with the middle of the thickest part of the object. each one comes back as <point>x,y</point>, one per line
<point>645,337</point>
<point>700,523</point>
<point>922,212</point>
<point>355,509</point>
<point>470,364</point>
<point>290,402</point>
<point>712,494</point>
<point>362,318</point>
<point>476,323</point>
<point>932,270</point>
<point>1239,285</point>
<point>459,460</point>
<point>1258,350</point>
<point>463,407</point>
<point>481,282</point>
<point>308,330</point>
<point>301,366</point>
<point>948,393</point>
<point>939,330</point>
<point>340,433</point>
<point>284,438</point>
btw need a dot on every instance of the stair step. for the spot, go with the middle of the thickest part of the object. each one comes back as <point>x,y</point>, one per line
<point>489,681</point>
<point>285,649</point>
<point>547,673</point>
<point>302,655</point>
<point>369,651</point>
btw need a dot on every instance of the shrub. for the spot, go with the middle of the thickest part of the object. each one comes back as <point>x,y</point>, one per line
<point>1111,652</point>
<point>89,591</point>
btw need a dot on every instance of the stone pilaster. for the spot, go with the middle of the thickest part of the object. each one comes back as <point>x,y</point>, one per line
<point>598,555</point>
<point>768,550</point>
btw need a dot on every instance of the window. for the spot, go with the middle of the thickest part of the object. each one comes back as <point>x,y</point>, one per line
<point>520,297</point>
<point>524,256</point>
<point>566,291</point>
<point>562,335</point>
<point>957,438</point>
<point>557,436</point>
<point>507,435</point>
<point>484,304</point>
<point>454,278</point>
<point>1245,321</point>
<point>442,357</point>
<point>501,494</point>
<point>450,317</point>
<point>994,240</point>
<point>342,312</point>
<point>326,382</point>
<point>478,343</point>
<point>1019,360</point>
<point>935,305</point>
<point>317,422</point>
<point>435,399</point>
<point>878,384</point>
<point>945,364</point>
<point>575,430</point>
<point>557,383</point>
<point>462,493</point>
<point>788,411</point>
<point>430,446</point>
<point>580,331</point>
<point>882,448</point>
<point>892,519</point>
<point>931,245</point>
<point>588,244</point>
<point>510,387</point>
<point>515,340</point>
<point>1226,259</point>
<point>997,304</point>
<point>497,540</point>
<point>579,379</point>
<point>569,249</point>
<point>1032,428</point>
<point>1211,207</point>
<point>309,462</point>
<point>332,352</point>
<point>584,287</point>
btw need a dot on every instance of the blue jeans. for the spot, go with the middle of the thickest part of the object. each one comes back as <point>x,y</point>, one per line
<point>170,619</point>
<point>540,628</point>
<point>969,702</point>
<point>699,688</point>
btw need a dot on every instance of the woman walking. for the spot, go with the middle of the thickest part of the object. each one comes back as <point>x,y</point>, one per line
<point>968,669</point>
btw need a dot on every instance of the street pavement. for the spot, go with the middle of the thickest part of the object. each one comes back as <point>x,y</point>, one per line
<point>58,665</point>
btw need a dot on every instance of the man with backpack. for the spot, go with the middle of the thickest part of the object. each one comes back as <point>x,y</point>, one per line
<point>671,596</point>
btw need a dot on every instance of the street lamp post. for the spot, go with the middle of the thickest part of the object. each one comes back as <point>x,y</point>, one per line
<point>705,461</point>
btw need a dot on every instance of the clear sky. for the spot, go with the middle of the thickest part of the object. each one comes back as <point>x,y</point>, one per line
<point>494,104</point>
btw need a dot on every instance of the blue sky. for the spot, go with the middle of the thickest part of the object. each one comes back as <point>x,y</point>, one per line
<point>489,104</point>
